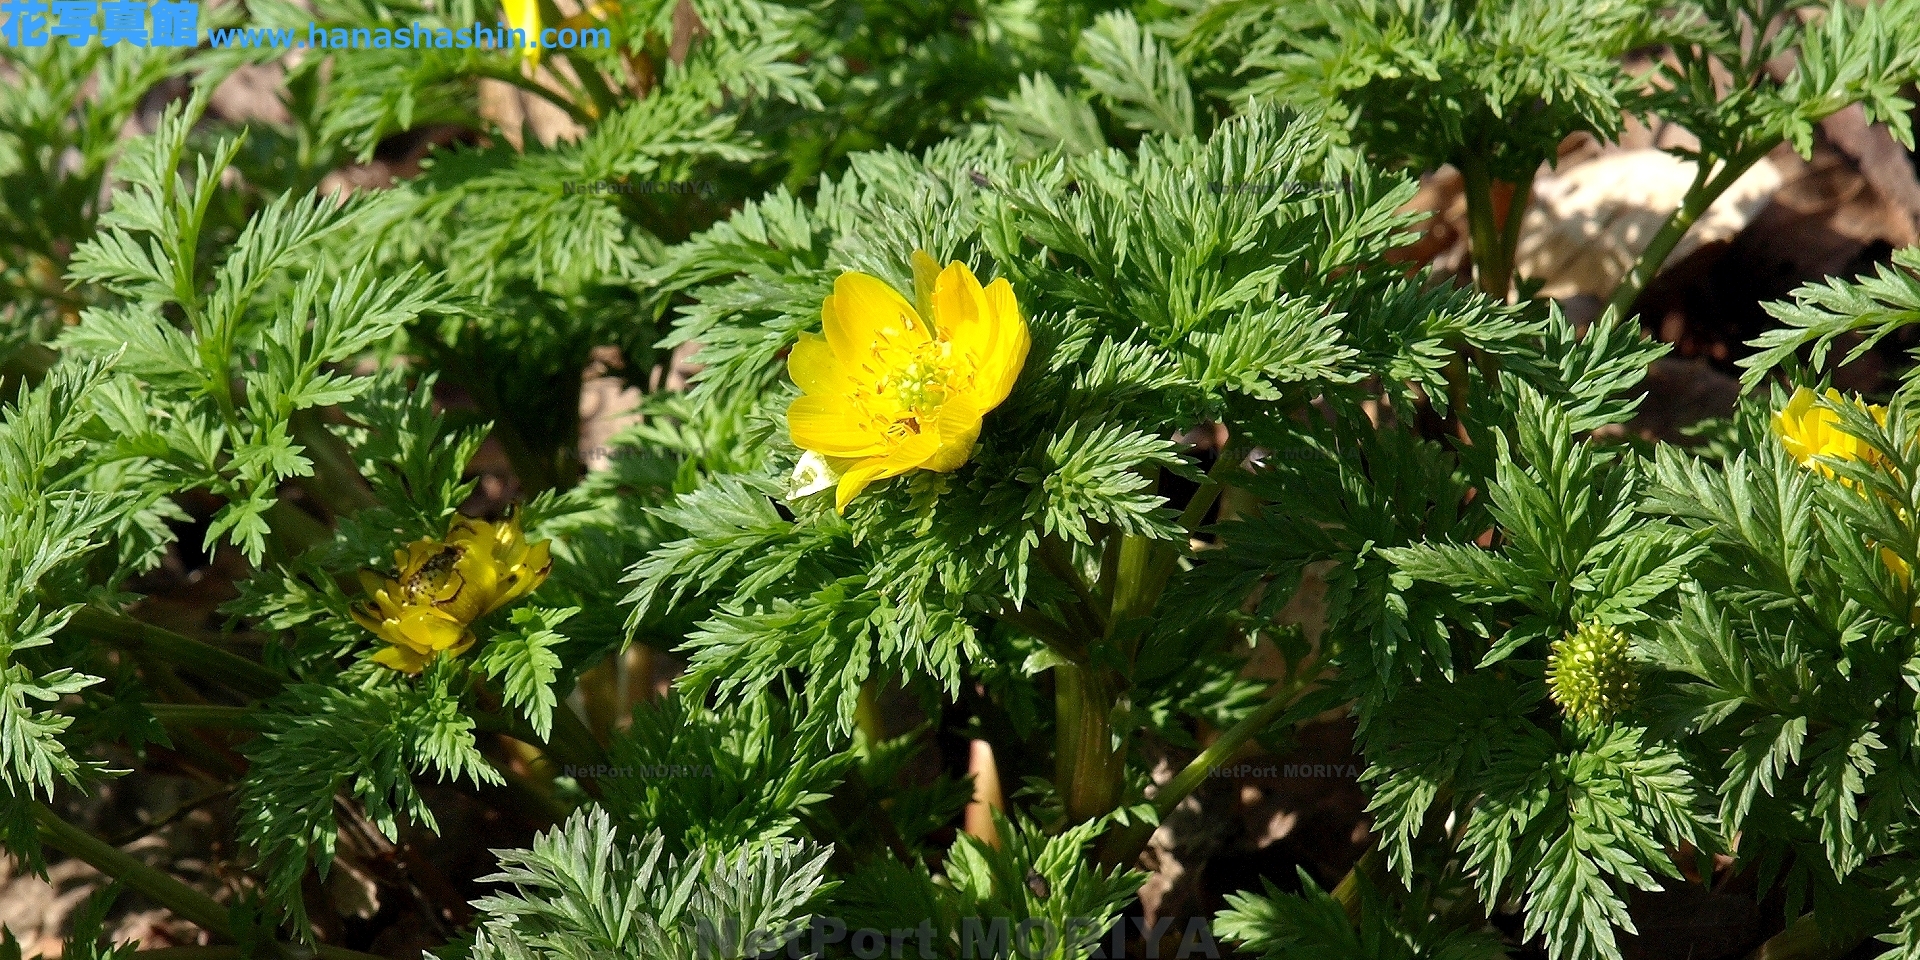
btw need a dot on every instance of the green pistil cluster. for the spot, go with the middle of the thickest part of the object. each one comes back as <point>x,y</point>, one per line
<point>1590,676</point>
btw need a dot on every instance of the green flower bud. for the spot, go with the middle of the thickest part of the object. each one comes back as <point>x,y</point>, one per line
<point>1590,676</point>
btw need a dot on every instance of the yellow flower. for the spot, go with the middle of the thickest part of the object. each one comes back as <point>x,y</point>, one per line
<point>525,15</point>
<point>1896,566</point>
<point>890,389</point>
<point>1809,431</point>
<point>440,587</point>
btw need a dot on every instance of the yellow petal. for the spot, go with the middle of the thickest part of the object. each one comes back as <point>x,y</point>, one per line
<point>958,428</point>
<point>476,580</point>
<point>380,593</point>
<point>1005,355</point>
<point>864,312</point>
<point>372,583</point>
<point>402,659</point>
<point>908,455</point>
<point>466,641</point>
<point>926,271</point>
<point>419,554</point>
<point>835,426</point>
<point>381,627</point>
<point>816,370</point>
<point>427,630</point>
<point>524,577</point>
<point>852,483</point>
<point>470,533</point>
<point>985,326</point>
<point>959,306</point>
<point>1896,566</point>
<point>508,538</point>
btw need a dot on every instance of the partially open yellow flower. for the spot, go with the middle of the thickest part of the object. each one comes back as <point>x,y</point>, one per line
<point>525,15</point>
<point>1809,431</point>
<point>440,587</point>
<point>890,389</point>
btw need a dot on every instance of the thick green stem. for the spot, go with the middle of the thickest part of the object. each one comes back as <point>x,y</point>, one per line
<point>573,741</point>
<point>1134,589</point>
<point>1700,196</point>
<point>1089,769</point>
<point>1057,557</point>
<point>1372,868</point>
<point>1054,634</point>
<point>1124,847</point>
<point>1802,940</point>
<point>867,717</point>
<point>1492,248</point>
<point>203,659</point>
<point>294,530</point>
<point>1145,565</point>
<point>337,480</point>
<point>184,901</point>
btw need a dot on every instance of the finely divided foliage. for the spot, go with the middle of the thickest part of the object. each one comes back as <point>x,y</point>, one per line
<point>1580,670</point>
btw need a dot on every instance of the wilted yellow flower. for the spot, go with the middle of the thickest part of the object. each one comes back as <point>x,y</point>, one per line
<point>525,15</point>
<point>890,389</point>
<point>1809,431</point>
<point>440,587</point>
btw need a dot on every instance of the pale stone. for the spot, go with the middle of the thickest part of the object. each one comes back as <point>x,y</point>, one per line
<point>1588,224</point>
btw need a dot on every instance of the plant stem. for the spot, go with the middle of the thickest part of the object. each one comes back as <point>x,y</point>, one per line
<point>573,741</point>
<point>1050,631</point>
<point>1371,867</point>
<point>159,823</point>
<point>1134,588</point>
<point>602,100</point>
<point>1495,243</point>
<point>1125,846</point>
<point>866,714</point>
<point>295,530</point>
<point>243,675</point>
<point>202,715</point>
<point>1230,460</point>
<point>1707,187</point>
<point>1801,940</point>
<point>1492,248</point>
<point>1138,590</point>
<point>184,901</point>
<point>569,743</point>
<point>338,483</point>
<point>1057,557</point>
<point>512,77</point>
<point>1089,769</point>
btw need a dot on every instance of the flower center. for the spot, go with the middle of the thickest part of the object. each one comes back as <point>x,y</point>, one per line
<point>426,582</point>
<point>912,384</point>
<point>921,385</point>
